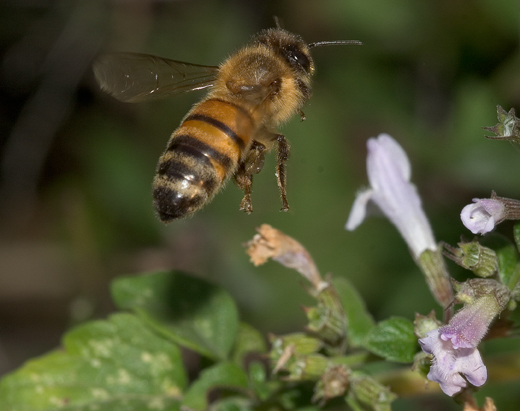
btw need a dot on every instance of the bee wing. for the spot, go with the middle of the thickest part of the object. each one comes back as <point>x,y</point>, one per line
<point>134,77</point>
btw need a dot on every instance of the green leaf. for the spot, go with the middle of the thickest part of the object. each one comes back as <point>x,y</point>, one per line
<point>393,339</point>
<point>507,255</point>
<point>111,365</point>
<point>258,381</point>
<point>359,320</point>
<point>232,404</point>
<point>188,310</point>
<point>222,375</point>
<point>249,340</point>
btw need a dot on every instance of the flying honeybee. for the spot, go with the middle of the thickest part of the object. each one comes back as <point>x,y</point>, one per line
<point>227,133</point>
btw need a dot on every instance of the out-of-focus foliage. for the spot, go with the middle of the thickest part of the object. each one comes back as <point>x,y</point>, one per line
<point>77,166</point>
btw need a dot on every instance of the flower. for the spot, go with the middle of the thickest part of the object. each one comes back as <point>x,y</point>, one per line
<point>482,216</point>
<point>392,193</point>
<point>454,346</point>
<point>449,362</point>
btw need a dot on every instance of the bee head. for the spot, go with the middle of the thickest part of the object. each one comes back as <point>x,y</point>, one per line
<point>290,47</point>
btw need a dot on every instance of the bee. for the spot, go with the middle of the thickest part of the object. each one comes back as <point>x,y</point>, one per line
<point>228,132</point>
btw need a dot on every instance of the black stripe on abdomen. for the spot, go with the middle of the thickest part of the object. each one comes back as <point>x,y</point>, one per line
<point>220,125</point>
<point>177,171</point>
<point>199,150</point>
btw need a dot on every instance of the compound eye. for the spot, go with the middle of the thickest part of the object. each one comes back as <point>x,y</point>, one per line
<point>298,58</point>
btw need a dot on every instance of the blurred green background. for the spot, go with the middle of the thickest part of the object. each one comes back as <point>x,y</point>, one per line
<point>77,165</point>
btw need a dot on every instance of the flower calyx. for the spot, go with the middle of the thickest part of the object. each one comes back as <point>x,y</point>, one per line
<point>508,127</point>
<point>473,256</point>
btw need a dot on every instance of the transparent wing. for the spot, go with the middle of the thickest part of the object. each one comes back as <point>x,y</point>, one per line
<point>134,77</point>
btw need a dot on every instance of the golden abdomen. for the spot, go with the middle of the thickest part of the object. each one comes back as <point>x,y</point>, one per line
<point>200,156</point>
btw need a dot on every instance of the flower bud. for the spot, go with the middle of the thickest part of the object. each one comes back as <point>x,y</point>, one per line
<point>285,349</point>
<point>486,213</point>
<point>425,324</point>
<point>421,363</point>
<point>508,127</point>
<point>327,320</point>
<point>481,260</point>
<point>333,383</point>
<point>303,344</point>
<point>470,290</point>
<point>369,392</point>
<point>308,367</point>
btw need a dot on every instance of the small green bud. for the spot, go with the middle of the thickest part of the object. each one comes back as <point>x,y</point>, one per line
<point>303,344</point>
<point>425,324</point>
<point>327,320</point>
<point>481,260</point>
<point>422,363</point>
<point>508,127</point>
<point>333,383</point>
<point>308,367</point>
<point>471,290</point>
<point>369,392</point>
<point>286,349</point>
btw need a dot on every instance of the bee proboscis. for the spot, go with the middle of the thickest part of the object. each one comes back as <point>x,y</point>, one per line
<point>229,131</point>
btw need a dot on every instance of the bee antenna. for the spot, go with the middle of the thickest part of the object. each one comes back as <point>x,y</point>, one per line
<point>335,43</point>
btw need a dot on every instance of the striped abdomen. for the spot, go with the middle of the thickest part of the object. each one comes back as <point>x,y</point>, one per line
<point>201,154</point>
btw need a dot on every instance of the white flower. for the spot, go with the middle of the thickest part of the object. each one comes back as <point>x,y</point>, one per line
<point>482,216</point>
<point>392,193</point>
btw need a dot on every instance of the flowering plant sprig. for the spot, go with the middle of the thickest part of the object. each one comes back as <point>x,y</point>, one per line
<point>456,361</point>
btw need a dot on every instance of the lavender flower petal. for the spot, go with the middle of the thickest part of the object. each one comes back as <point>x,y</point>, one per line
<point>389,173</point>
<point>359,209</point>
<point>467,328</point>
<point>449,363</point>
<point>482,216</point>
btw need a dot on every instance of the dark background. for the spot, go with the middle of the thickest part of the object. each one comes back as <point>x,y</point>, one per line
<point>77,165</point>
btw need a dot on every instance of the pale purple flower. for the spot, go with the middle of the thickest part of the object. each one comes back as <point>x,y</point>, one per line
<point>449,363</point>
<point>392,193</point>
<point>482,216</point>
<point>454,346</point>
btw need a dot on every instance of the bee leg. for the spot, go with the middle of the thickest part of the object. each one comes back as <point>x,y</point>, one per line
<point>245,183</point>
<point>302,115</point>
<point>282,154</point>
<point>252,164</point>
